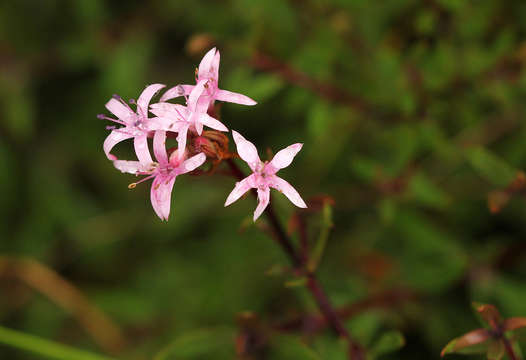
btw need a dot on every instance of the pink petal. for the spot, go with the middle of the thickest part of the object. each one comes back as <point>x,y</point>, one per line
<point>181,139</point>
<point>161,194</point>
<point>131,167</point>
<point>263,200</point>
<point>287,189</point>
<point>209,121</point>
<point>146,96</point>
<point>141,149</point>
<point>197,91</point>
<point>228,96</point>
<point>193,163</point>
<point>246,150</point>
<point>206,64</point>
<point>198,127</point>
<point>177,91</point>
<point>164,123</point>
<point>120,110</point>
<point>241,187</point>
<point>167,110</point>
<point>285,156</point>
<point>159,146</point>
<point>115,137</point>
<point>215,66</point>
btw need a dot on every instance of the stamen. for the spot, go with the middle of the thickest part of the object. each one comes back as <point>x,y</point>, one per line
<point>133,185</point>
<point>101,116</point>
<point>111,127</point>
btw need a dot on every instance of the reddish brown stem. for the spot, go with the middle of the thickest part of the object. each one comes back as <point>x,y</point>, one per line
<point>509,349</point>
<point>356,352</point>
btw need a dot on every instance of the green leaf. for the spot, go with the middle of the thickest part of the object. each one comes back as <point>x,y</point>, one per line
<point>198,343</point>
<point>490,167</point>
<point>291,347</point>
<point>319,248</point>
<point>495,350</point>
<point>45,348</point>
<point>387,343</point>
<point>423,190</point>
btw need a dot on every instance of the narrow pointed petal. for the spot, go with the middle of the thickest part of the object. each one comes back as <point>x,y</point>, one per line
<point>193,163</point>
<point>285,156</point>
<point>246,150</point>
<point>176,91</point>
<point>141,149</point>
<point>161,195</point>
<point>159,146</point>
<point>241,187</point>
<point>209,121</point>
<point>130,167</point>
<point>215,66</point>
<point>287,190</point>
<point>228,96</point>
<point>197,91</point>
<point>113,139</point>
<point>206,63</point>
<point>263,200</point>
<point>120,110</point>
<point>181,140</point>
<point>164,123</point>
<point>146,96</point>
<point>198,127</point>
<point>168,110</point>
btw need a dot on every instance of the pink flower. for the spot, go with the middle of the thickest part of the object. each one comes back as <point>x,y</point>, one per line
<point>179,118</point>
<point>164,172</point>
<point>209,71</point>
<point>264,175</point>
<point>136,123</point>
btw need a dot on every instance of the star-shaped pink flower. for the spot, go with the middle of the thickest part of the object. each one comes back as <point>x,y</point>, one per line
<point>180,119</point>
<point>208,70</point>
<point>264,175</point>
<point>164,172</point>
<point>136,124</point>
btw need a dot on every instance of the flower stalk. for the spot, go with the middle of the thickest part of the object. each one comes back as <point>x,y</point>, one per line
<point>356,351</point>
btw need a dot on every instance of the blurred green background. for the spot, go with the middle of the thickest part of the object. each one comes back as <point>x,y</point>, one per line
<point>412,116</point>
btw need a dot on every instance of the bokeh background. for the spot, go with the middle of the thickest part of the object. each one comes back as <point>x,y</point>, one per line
<point>412,117</point>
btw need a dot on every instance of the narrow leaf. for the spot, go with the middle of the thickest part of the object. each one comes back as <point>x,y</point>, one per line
<point>387,343</point>
<point>44,348</point>
<point>471,338</point>
<point>495,350</point>
<point>319,248</point>
<point>514,323</point>
<point>490,167</point>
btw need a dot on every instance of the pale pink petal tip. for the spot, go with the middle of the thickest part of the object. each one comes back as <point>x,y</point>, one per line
<point>241,188</point>
<point>288,190</point>
<point>147,94</point>
<point>246,150</point>
<point>263,200</point>
<point>285,156</point>
<point>228,96</point>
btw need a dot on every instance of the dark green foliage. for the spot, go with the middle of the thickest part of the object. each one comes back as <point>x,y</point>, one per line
<point>412,115</point>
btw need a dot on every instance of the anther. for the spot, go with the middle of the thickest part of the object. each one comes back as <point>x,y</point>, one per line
<point>132,186</point>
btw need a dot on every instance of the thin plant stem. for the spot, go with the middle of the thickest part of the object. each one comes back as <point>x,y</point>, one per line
<point>509,348</point>
<point>356,352</point>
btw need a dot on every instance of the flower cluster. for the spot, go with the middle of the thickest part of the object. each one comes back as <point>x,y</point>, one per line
<point>186,124</point>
